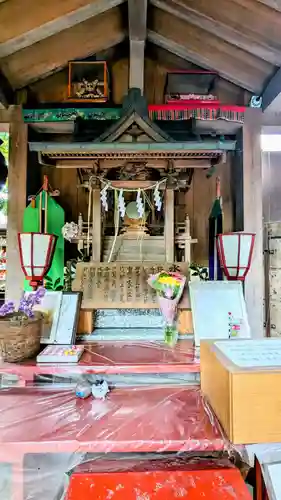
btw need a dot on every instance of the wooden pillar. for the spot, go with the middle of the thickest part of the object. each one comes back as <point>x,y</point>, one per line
<point>16,201</point>
<point>169,225</point>
<point>253,218</point>
<point>96,236</point>
<point>248,213</point>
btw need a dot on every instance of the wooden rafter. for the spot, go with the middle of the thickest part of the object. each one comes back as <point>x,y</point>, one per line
<point>228,33</point>
<point>52,54</point>
<point>137,10</point>
<point>47,19</point>
<point>250,18</point>
<point>273,4</point>
<point>208,51</point>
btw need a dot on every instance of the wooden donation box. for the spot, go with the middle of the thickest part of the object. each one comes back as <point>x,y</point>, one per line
<point>241,379</point>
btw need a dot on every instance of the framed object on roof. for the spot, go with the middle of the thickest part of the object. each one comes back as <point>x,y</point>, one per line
<point>87,81</point>
<point>191,86</point>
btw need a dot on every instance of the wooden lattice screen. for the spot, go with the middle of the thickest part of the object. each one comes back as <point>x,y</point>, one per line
<point>119,285</point>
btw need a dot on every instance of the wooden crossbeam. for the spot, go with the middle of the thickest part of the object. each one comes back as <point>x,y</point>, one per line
<point>50,55</point>
<point>137,10</point>
<point>199,47</point>
<point>45,19</point>
<point>231,34</point>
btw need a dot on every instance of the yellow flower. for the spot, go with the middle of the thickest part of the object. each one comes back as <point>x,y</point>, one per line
<point>168,280</point>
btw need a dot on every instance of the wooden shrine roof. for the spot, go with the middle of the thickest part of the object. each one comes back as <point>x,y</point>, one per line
<point>142,151</point>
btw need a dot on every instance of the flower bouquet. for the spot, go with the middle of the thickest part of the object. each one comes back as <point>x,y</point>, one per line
<point>169,288</point>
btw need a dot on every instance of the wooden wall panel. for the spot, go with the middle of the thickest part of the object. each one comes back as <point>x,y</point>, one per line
<point>72,200</point>
<point>119,80</point>
<point>199,200</point>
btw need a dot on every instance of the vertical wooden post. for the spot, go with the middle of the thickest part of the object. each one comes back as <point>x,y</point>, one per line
<point>16,202</point>
<point>96,236</point>
<point>253,218</point>
<point>187,245</point>
<point>248,213</point>
<point>169,225</point>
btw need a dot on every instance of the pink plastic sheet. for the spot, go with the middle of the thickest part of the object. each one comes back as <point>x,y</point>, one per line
<point>44,433</point>
<point>117,358</point>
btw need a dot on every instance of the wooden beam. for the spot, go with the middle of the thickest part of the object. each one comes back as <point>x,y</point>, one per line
<point>7,96</point>
<point>50,55</point>
<point>134,184</point>
<point>271,95</point>
<point>230,34</point>
<point>273,4</point>
<point>169,225</point>
<point>47,19</point>
<point>208,51</point>
<point>137,10</point>
<point>249,18</point>
<point>17,201</point>
<point>156,164</point>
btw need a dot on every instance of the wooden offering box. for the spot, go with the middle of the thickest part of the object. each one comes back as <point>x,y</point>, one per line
<point>241,379</point>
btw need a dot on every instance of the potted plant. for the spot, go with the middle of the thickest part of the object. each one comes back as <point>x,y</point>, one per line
<point>198,273</point>
<point>20,329</point>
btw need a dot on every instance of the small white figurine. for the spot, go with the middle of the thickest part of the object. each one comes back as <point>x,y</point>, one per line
<point>100,389</point>
<point>83,389</point>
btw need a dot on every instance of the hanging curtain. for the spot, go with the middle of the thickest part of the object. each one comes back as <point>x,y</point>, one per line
<point>215,228</point>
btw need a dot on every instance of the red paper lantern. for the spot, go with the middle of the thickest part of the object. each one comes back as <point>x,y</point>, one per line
<point>36,255</point>
<point>235,252</point>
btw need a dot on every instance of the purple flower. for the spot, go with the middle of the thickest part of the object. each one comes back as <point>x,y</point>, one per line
<point>7,308</point>
<point>26,305</point>
<point>40,292</point>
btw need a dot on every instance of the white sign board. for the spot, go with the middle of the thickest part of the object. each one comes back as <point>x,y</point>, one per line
<point>218,310</point>
<point>264,353</point>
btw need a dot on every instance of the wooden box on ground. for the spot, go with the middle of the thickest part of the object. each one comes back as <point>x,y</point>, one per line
<point>241,379</point>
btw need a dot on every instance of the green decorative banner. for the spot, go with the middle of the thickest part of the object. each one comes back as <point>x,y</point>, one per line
<point>159,112</point>
<point>70,114</point>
